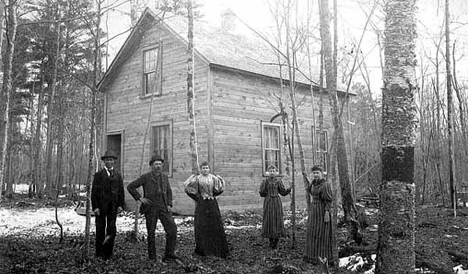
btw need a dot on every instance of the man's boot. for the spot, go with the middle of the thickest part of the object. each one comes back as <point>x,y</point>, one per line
<point>152,250</point>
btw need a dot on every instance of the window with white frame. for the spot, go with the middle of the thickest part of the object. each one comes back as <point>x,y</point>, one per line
<point>320,147</point>
<point>152,80</point>
<point>161,144</point>
<point>271,146</point>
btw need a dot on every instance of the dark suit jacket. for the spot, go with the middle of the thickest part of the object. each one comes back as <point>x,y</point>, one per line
<point>155,187</point>
<point>107,193</point>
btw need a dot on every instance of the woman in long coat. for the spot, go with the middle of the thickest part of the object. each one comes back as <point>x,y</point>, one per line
<point>319,227</point>
<point>210,238</point>
<point>271,188</point>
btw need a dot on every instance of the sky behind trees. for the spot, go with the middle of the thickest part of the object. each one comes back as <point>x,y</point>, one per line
<point>352,20</point>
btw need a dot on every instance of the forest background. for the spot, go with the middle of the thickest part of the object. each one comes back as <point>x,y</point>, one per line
<point>54,54</point>
<point>54,72</point>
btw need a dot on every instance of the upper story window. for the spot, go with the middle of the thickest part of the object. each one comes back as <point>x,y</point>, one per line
<point>161,144</point>
<point>271,146</point>
<point>320,148</point>
<point>152,80</point>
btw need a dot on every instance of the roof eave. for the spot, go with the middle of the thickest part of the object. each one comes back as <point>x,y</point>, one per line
<point>219,66</point>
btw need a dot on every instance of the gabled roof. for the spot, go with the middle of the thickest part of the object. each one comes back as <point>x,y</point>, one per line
<point>214,46</point>
<point>226,49</point>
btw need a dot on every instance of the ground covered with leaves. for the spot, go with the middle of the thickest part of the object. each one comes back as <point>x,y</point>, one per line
<point>29,243</point>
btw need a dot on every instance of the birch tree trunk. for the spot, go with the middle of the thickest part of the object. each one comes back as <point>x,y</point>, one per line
<point>7,86</point>
<point>191,91</point>
<point>348,199</point>
<point>395,251</point>
<point>448,69</point>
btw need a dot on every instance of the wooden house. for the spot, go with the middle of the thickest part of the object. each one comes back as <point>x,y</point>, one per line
<point>237,87</point>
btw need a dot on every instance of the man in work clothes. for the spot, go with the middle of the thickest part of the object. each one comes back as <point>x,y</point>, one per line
<point>156,203</point>
<point>107,199</point>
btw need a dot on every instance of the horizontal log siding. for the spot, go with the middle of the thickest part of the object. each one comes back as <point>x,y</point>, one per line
<point>128,111</point>
<point>241,103</point>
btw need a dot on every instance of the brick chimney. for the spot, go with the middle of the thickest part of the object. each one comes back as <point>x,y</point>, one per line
<point>228,20</point>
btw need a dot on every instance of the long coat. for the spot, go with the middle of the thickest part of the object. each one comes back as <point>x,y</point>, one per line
<point>156,187</point>
<point>107,192</point>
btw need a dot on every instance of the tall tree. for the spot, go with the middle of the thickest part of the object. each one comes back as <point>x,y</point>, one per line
<point>347,194</point>
<point>6,91</point>
<point>448,69</point>
<point>191,91</point>
<point>53,105</point>
<point>96,31</point>
<point>395,252</point>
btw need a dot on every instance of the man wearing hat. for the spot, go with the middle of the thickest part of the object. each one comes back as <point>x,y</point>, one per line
<point>156,203</point>
<point>107,199</point>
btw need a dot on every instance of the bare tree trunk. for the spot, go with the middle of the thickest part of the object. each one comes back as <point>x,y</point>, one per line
<point>37,187</point>
<point>291,62</point>
<point>7,87</point>
<point>59,182</point>
<point>289,167</point>
<point>396,241</point>
<point>51,107</point>
<point>2,24</point>
<point>287,139</point>
<point>461,111</point>
<point>92,127</point>
<point>60,120</point>
<point>448,69</point>
<point>348,199</point>
<point>336,259</point>
<point>191,91</point>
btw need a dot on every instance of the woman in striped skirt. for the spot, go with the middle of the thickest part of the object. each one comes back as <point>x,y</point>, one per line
<point>319,227</point>
<point>271,188</point>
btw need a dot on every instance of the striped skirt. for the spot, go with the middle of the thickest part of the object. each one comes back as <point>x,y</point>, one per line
<point>272,226</point>
<point>319,235</point>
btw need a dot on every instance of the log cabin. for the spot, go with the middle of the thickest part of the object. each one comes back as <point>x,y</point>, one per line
<point>237,93</point>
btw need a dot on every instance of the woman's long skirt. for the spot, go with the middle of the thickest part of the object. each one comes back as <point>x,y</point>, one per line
<point>272,225</point>
<point>210,238</point>
<point>319,235</point>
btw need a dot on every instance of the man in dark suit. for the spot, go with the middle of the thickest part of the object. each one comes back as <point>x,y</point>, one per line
<point>156,203</point>
<point>107,199</point>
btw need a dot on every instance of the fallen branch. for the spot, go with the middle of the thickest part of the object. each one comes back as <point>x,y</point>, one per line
<point>458,255</point>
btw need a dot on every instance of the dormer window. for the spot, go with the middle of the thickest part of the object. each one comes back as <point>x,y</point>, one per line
<point>152,80</point>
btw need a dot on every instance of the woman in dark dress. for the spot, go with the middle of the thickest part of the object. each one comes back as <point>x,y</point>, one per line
<point>210,238</point>
<point>271,188</point>
<point>319,227</point>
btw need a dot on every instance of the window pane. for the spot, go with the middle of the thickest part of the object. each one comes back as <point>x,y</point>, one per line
<point>271,158</point>
<point>271,146</point>
<point>161,142</point>
<point>150,60</point>
<point>323,141</point>
<point>271,137</point>
<point>151,72</point>
<point>150,83</point>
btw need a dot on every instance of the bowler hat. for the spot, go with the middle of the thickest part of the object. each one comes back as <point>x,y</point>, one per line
<point>155,158</point>
<point>317,168</point>
<point>109,154</point>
